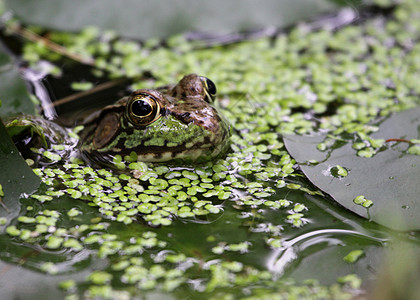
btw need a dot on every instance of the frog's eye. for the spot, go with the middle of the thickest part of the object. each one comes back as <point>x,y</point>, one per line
<point>209,88</point>
<point>142,110</point>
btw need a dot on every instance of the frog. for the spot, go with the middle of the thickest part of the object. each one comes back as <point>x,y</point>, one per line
<point>176,122</point>
<point>170,123</point>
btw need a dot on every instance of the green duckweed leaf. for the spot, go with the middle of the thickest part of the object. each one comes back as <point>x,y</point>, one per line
<point>383,188</point>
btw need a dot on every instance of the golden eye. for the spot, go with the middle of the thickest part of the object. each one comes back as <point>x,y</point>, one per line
<point>209,88</point>
<point>142,109</point>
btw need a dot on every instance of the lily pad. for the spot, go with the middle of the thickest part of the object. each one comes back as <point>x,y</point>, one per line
<point>14,95</point>
<point>138,19</point>
<point>389,179</point>
<point>16,177</point>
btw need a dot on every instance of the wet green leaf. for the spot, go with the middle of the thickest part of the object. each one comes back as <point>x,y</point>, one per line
<point>383,188</point>
<point>14,95</point>
<point>16,177</point>
<point>131,15</point>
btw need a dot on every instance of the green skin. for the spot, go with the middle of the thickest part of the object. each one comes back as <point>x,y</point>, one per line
<point>187,127</point>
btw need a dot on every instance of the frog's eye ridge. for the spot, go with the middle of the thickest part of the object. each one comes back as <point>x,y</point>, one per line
<point>142,109</point>
<point>210,89</point>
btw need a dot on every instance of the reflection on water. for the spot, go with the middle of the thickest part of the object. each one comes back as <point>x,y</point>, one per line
<point>283,257</point>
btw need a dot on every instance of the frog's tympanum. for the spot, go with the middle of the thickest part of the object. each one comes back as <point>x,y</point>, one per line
<point>169,123</point>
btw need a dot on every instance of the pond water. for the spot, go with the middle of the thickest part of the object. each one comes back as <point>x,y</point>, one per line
<point>248,224</point>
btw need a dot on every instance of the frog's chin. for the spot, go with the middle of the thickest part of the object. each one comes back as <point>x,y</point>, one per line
<point>198,153</point>
<point>191,155</point>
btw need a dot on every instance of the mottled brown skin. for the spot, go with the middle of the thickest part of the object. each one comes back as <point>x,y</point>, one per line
<point>189,102</point>
<point>194,104</point>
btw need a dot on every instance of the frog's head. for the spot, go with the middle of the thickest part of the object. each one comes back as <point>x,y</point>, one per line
<point>169,123</point>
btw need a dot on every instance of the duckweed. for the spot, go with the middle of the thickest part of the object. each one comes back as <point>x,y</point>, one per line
<point>291,84</point>
<point>25,219</point>
<point>415,149</point>
<point>353,256</point>
<point>54,242</point>
<point>67,284</point>
<point>352,280</point>
<point>12,230</point>
<point>49,268</point>
<point>99,277</point>
<point>81,86</point>
<point>361,200</point>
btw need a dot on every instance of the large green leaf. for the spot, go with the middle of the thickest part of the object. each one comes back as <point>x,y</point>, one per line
<point>145,19</point>
<point>13,92</point>
<point>16,177</point>
<point>390,178</point>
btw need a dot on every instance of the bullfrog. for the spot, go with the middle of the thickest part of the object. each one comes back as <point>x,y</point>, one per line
<point>174,122</point>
